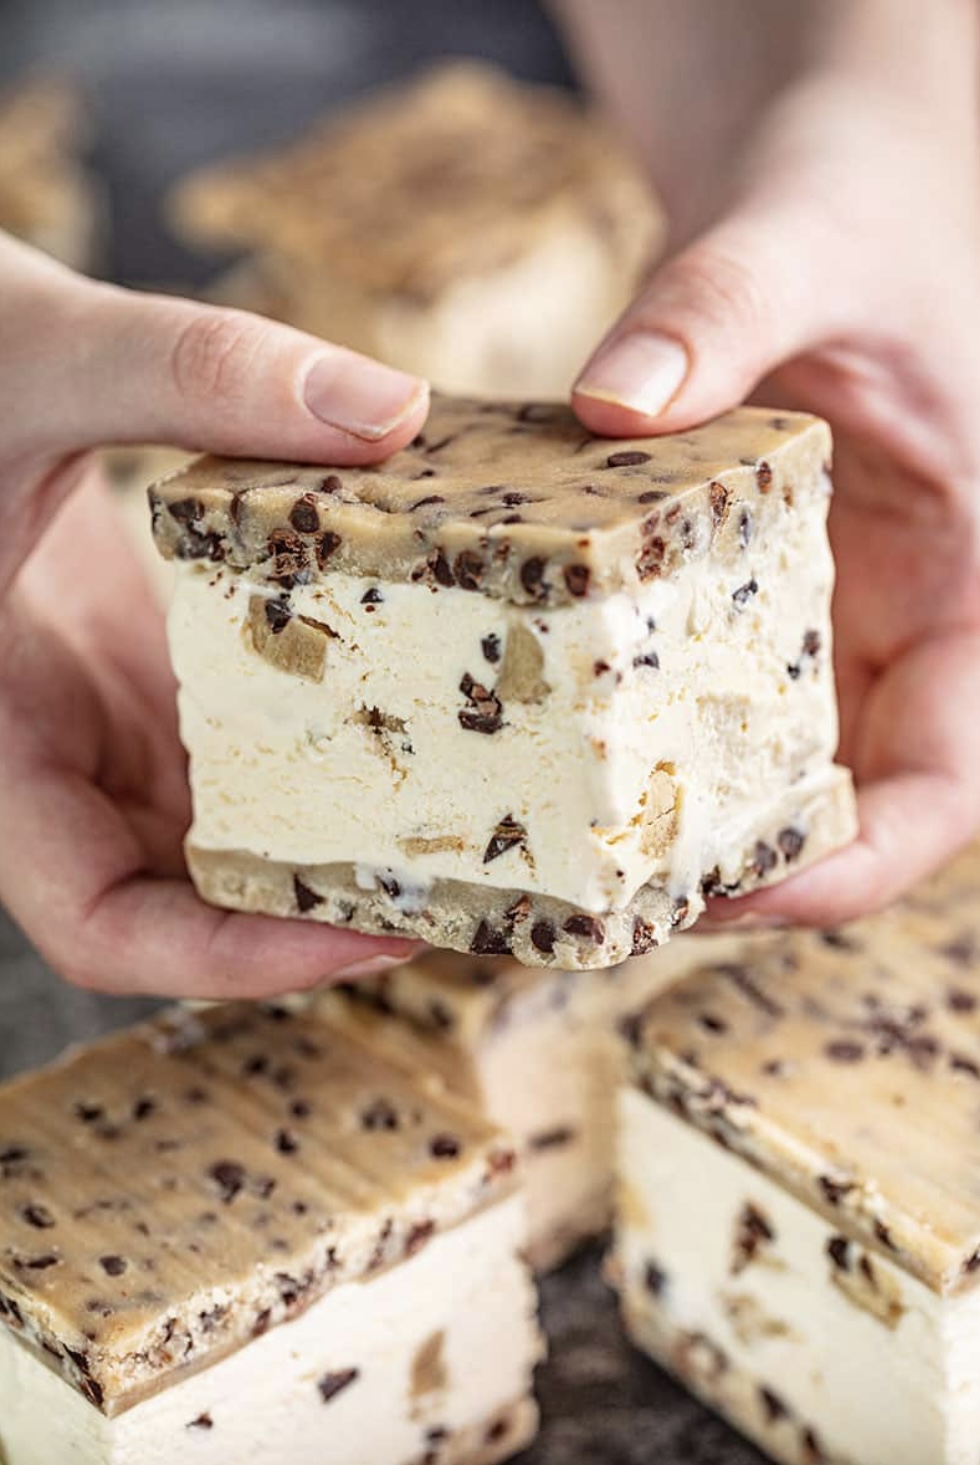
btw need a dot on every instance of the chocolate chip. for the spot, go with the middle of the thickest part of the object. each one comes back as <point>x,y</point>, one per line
<point>332,1384</point>
<point>439,1015</point>
<point>430,499</point>
<point>372,597</point>
<point>650,659</point>
<point>87,1113</point>
<point>960,1063</point>
<point>278,614</point>
<point>813,1447</point>
<point>650,560</point>
<point>420,1233</point>
<point>839,1250</point>
<point>444,1147</point>
<point>644,937</point>
<point>791,842</point>
<point>468,570</point>
<point>718,498</point>
<point>38,1216</point>
<point>712,1024</point>
<point>772,1404</point>
<point>203,1421</point>
<point>507,835</point>
<point>306,898</point>
<point>389,885</point>
<point>835,1190</point>
<point>577,578</point>
<point>143,1108</point>
<point>844,1050</point>
<point>763,476</point>
<point>380,1114</point>
<point>745,528</point>
<point>745,592</point>
<point>490,941</point>
<point>543,936</point>
<point>654,1279</point>
<point>485,713</point>
<point>588,927</point>
<point>631,458</point>
<point>93,1391</point>
<point>884,1236</point>
<point>286,1142</point>
<point>229,1177</point>
<point>38,1263</point>
<point>491,648</point>
<point>331,484</point>
<point>532,577</point>
<point>441,569</point>
<point>186,511</point>
<point>303,515</point>
<point>327,545</point>
<point>764,858</point>
<point>496,1432</point>
<point>113,1266</point>
<point>652,496</point>
<point>551,1139</point>
<point>959,1001</point>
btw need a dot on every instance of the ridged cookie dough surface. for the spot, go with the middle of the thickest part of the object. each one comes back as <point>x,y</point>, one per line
<point>846,1064</point>
<point>171,1193</point>
<point>512,500</point>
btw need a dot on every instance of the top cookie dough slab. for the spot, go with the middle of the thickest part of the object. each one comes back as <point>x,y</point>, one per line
<point>514,501</point>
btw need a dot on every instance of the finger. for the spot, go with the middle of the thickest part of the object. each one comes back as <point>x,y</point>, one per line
<point>137,367</point>
<point>713,322</point>
<point>75,883</point>
<point>910,825</point>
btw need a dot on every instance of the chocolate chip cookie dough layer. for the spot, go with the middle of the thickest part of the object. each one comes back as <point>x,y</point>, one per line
<point>799,1232</point>
<point>518,689</point>
<point>542,1053</point>
<point>247,1235</point>
<point>510,200</point>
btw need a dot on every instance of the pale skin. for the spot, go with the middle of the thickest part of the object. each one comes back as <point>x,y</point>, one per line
<point>827,227</point>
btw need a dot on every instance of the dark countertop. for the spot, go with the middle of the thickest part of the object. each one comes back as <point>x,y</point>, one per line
<point>603,1404</point>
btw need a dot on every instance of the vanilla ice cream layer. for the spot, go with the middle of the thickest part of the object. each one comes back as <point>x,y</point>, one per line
<point>438,1349</point>
<point>638,732</point>
<point>817,1347</point>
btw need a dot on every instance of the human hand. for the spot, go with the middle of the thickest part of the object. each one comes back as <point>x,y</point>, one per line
<point>840,273</point>
<point>93,788</point>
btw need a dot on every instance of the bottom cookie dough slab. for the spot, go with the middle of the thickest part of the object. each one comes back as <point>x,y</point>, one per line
<point>812,820</point>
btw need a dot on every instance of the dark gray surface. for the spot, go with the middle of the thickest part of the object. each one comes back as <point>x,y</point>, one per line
<point>603,1404</point>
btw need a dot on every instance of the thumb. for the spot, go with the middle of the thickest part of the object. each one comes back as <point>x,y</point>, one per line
<point>158,369</point>
<point>712,322</point>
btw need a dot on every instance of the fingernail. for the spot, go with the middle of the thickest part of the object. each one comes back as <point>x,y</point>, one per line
<point>643,371</point>
<point>370,967</point>
<point>361,397</point>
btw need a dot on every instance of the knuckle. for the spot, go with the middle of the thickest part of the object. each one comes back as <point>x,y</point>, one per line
<point>213,354</point>
<point>723,289</point>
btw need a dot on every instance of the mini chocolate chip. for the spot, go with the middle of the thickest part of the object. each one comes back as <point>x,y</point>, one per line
<point>186,511</point>
<point>764,858</point>
<point>278,614</point>
<point>763,475</point>
<point>577,578</point>
<point>203,1421</point>
<point>303,515</point>
<point>327,545</point>
<point>507,834</point>
<point>884,1236</point>
<point>93,1391</point>
<point>745,528</point>
<point>839,1251</point>
<point>791,842</point>
<point>745,592</point>
<point>644,937</point>
<point>430,499</point>
<point>654,1279</point>
<point>835,1190</point>
<point>143,1108</point>
<point>420,1233</point>
<point>468,570</point>
<point>306,898</point>
<point>38,1263</point>
<point>491,647</point>
<point>588,927</point>
<point>490,941</point>
<point>332,1384</point>
<point>631,458</point>
<point>372,597</point>
<point>813,1447</point>
<point>255,1064</point>
<point>543,936</point>
<point>87,1113</point>
<point>959,1001</point>
<point>444,1147</point>
<point>113,1266</point>
<point>439,1014</point>
<point>652,496</point>
<point>380,1114</point>
<point>441,569</point>
<point>229,1177</point>
<point>712,1024</point>
<point>496,1432</point>
<point>286,1143</point>
<point>38,1216</point>
<point>551,1139</point>
<point>331,484</point>
<point>532,576</point>
<point>844,1050</point>
<point>650,659</point>
<point>650,560</point>
<point>773,1405</point>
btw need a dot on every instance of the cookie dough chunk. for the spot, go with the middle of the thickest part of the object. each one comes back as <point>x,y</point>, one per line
<point>243,1235</point>
<point>799,1232</point>
<point>519,690</point>
<point>543,1054</point>
<point>444,227</point>
<point>46,196</point>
